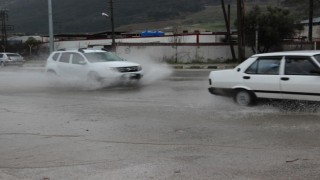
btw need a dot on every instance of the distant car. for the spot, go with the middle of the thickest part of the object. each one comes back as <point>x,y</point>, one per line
<point>289,75</point>
<point>93,65</point>
<point>7,59</point>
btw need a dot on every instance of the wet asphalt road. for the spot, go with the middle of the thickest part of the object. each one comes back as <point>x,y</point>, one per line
<point>164,129</point>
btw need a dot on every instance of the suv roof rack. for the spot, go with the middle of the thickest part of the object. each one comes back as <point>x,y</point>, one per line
<point>81,49</point>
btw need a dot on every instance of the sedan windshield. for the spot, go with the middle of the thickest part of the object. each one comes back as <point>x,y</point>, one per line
<point>102,57</point>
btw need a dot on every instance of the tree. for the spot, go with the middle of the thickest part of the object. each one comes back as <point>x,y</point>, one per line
<point>301,8</point>
<point>273,25</point>
<point>304,8</point>
<point>32,44</point>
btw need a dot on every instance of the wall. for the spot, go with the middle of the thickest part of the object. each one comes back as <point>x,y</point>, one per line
<point>201,38</point>
<point>182,48</point>
<point>178,54</point>
<point>315,32</point>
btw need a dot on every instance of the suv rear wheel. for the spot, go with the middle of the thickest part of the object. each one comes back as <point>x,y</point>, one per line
<point>51,73</point>
<point>52,77</point>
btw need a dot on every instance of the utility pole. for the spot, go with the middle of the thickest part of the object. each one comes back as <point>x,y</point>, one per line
<point>4,28</point>
<point>51,43</point>
<point>257,38</point>
<point>227,23</point>
<point>240,14</point>
<point>112,25</point>
<point>310,20</point>
<point>4,19</point>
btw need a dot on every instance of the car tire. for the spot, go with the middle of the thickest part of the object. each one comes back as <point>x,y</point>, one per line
<point>244,98</point>
<point>1,64</point>
<point>51,73</point>
<point>93,77</point>
<point>93,81</point>
<point>52,77</point>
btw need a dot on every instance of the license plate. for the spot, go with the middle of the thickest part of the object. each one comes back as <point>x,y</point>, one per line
<point>132,76</point>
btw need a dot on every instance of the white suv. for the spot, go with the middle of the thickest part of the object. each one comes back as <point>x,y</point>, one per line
<point>289,75</point>
<point>91,64</point>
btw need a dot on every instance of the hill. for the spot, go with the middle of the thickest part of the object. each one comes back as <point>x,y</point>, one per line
<point>74,16</point>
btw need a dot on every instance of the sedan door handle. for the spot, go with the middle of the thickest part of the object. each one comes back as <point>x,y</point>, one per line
<point>285,79</point>
<point>246,77</point>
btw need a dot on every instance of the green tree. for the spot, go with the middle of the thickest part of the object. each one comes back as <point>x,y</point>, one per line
<point>301,7</point>
<point>32,44</point>
<point>274,25</point>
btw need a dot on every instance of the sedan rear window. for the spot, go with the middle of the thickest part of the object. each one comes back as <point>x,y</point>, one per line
<point>299,66</point>
<point>13,55</point>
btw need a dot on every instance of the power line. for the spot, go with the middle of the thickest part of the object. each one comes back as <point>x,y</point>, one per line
<point>4,27</point>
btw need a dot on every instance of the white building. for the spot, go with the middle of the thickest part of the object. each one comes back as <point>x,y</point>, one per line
<point>25,38</point>
<point>315,29</point>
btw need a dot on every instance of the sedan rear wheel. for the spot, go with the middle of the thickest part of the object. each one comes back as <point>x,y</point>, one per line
<point>244,98</point>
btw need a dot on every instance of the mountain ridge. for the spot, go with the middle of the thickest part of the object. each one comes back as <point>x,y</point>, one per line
<point>74,16</point>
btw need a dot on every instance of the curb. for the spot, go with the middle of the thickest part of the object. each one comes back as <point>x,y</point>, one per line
<point>209,66</point>
<point>33,65</point>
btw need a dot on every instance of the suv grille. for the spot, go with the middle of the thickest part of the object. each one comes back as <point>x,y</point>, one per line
<point>128,69</point>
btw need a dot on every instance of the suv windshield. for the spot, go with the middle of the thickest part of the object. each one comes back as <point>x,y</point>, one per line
<point>102,57</point>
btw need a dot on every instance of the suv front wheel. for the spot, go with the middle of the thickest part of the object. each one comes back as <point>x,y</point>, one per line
<point>93,77</point>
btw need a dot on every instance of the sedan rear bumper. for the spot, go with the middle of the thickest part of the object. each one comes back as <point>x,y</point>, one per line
<point>18,63</point>
<point>221,91</point>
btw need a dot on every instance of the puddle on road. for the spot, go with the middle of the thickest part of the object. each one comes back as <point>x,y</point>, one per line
<point>12,79</point>
<point>194,96</point>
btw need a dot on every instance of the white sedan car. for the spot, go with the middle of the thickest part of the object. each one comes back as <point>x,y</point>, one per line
<point>292,75</point>
<point>7,59</point>
<point>93,65</point>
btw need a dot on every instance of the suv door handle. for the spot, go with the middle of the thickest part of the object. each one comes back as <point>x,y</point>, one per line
<point>285,79</point>
<point>246,77</point>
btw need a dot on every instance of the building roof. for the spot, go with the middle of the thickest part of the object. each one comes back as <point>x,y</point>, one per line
<point>315,21</point>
